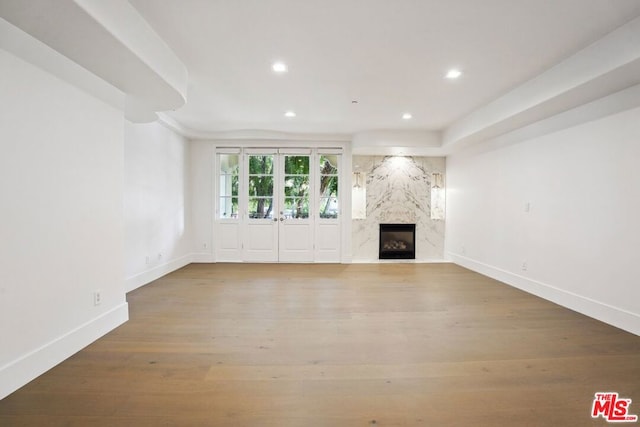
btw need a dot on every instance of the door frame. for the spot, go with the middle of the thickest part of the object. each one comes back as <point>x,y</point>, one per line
<point>236,229</point>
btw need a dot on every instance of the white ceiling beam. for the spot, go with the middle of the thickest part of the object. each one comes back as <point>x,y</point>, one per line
<point>607,66</point>
<point>111,40</point>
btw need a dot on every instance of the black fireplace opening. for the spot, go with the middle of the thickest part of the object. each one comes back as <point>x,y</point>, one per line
<point>397,241</point>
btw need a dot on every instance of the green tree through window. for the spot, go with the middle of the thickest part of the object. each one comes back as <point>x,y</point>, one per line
<point>296,187</point>
<point>261,186</point>
<point>328,186</point>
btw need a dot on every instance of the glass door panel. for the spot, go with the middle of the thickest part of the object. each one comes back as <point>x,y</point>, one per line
<point>260,186</point>
<point>328,192</point>
<point>296,187</point>
<point>229,186</point>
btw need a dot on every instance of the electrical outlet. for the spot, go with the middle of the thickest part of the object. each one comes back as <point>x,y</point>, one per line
<point>204,245</point>
<point>463,250</point>
<point>524,266</point>
<point>147,259</point>
<point>97,297</point>
<point>159,255</point>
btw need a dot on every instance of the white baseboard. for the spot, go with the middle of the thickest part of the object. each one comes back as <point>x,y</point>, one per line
<point>204,258</point>
<point>606,313</point>
<point>140,279</point>
<point>19,372</point>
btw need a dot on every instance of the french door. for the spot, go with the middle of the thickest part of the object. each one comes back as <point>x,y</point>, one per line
<point>287,207</point>
<point>278,224</point>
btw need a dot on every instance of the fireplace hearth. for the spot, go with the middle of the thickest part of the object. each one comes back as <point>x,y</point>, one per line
<point>397,241</point>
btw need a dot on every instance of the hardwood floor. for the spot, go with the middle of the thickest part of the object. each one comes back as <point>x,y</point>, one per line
<point>336,345</point>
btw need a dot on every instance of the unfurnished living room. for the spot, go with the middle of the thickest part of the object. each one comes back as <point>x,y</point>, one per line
<point>319,213</point>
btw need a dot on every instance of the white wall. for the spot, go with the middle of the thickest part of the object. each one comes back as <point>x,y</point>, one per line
<point>61,233</point>
<point>579,239</point>
<point>202,178</point>
<point>156,202</point>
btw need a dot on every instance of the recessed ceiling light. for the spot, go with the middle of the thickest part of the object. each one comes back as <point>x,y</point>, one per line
<point>290,114</point>
<point>453,74</point>
<point>279,67</point>
<point>407,116</point>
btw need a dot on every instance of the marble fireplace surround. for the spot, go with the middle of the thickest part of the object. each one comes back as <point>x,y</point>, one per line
<point>398,190</point>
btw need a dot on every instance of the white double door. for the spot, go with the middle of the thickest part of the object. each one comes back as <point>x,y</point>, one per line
<point>278,225</point>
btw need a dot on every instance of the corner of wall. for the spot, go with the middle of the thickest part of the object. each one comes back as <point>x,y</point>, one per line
<point>29,366</point>
<point>134,282</point>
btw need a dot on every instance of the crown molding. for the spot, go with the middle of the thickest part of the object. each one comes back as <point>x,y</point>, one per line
<point>247,134</point>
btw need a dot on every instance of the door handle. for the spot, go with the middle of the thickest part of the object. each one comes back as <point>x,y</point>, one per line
<point>281,219</point>
<point>275,219</point>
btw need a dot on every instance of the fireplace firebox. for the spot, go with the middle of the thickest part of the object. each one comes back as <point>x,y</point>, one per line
<point>397,241</point>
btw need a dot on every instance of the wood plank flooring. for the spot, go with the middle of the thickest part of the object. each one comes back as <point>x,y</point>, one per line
<point>336,345</point>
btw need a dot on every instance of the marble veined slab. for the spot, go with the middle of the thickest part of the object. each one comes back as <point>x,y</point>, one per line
<point>398,190</point>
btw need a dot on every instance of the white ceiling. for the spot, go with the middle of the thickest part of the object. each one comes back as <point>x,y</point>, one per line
<point>530,66</point>
<point>389,55</point>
